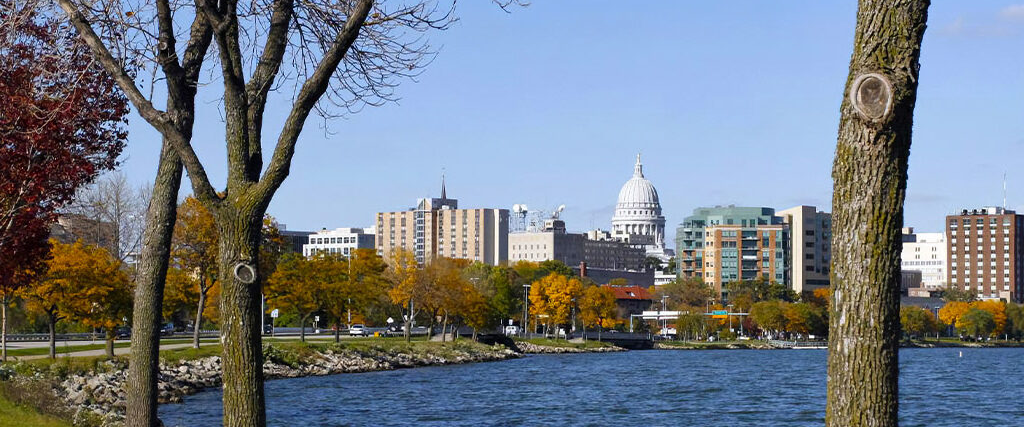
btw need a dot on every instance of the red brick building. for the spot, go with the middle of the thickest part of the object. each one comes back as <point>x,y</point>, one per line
<point>631,299</point>
<point>984,253</point>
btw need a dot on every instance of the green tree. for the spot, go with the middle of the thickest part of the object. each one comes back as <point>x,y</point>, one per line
<point>917,321</point>
<point>691,323</point>
<point>976,323</point>
<point>804,319</point>
<point>1014,321</point>
<point>769,316</point>
<point>952,293</point>
<point>869,186</point>
<point>689,292</point>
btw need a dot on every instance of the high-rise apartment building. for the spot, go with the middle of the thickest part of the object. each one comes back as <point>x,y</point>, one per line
<point>436,227</point>
<point>925,253</point>
<point>727,244</point>
<point>340,241</point>
<point>810,247</point>
<point>984,252</point>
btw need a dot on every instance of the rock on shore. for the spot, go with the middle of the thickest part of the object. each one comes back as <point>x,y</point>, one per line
<point>103,393</point>
<point>530,348</point>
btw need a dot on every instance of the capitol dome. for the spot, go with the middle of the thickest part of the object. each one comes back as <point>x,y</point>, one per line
<point>638,216</point>
<point>638,192</point>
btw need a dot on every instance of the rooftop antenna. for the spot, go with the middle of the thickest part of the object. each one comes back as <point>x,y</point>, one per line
<point>443,195</point>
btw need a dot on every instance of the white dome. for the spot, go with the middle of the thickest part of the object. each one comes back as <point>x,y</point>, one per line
<point>638,212</point>
<point>638,192</point>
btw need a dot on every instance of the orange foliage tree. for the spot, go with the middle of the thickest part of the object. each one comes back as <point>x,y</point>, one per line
<point>598,309</point>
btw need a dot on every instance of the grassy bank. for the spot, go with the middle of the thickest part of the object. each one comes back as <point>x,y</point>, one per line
<point>13,414</point>
<point>64,349</point>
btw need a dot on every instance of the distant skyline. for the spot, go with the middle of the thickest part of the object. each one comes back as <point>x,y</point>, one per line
<point>731,102</point>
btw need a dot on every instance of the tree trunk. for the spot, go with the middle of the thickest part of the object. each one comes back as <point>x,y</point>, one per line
<point>444,328</point>
<point>144,360</point>
<point>3,330</point>
<point>870,174</point>
<point>199,315</point>
<point>337,332</point>
<point>302,328</point>
<point>408,324</point>
<point>242,356</point>
<point>110,343</point>
<point>53,335</point>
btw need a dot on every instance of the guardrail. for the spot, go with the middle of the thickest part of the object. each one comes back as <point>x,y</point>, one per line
<point>98,336</point>
<point>798,344</point>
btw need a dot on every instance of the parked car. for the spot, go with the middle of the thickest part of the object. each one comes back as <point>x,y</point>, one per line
<point>167,329</point>
<point>357,329</point>
<point>123,333</point>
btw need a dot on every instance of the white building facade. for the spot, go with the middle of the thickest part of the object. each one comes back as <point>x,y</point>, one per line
<point>925,252</point>
<point>638,219</point>
<point>339,241</point>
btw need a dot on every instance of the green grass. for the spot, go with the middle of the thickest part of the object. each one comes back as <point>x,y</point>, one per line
<point>62,349</point>
<point>12,414</point>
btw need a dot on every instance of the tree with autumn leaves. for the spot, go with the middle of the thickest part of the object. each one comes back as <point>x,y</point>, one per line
<point>62,123</point>
<point>194,252</point>
<point>598,308</point>
<point>82,283</point>
<point>554,298</point>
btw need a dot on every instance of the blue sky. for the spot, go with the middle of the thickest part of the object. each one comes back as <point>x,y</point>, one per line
<point>730,102</point>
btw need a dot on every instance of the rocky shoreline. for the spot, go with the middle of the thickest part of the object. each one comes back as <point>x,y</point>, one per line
<point>530,348</point>
<point>99,397</point>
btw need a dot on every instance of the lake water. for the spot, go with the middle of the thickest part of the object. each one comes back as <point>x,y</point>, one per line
<point>636,388</point>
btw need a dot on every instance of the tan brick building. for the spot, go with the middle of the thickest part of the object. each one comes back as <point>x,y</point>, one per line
<point>984,249</point>
<point>437,227</point>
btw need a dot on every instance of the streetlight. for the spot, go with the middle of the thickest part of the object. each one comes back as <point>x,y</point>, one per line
<point>729,315</point>
<point>526,306</point>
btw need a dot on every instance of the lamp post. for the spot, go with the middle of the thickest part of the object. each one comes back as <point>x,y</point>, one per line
<point>526,307</point>
<point>729,315</point>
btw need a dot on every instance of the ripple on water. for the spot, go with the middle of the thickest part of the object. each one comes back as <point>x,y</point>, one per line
<point>652,388</point>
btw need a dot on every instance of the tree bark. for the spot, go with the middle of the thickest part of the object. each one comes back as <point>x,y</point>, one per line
<point>53,335</point>
<point>870,174</point>
<point>199,315</point>
<point>147,312</point>
<point>110,343</point>
<point>3,330</point>
<point>242,356</point>
<point>302,327</point>
<point>337,332</point>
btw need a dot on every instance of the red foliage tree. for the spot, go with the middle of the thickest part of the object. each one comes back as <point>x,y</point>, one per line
<point>61,123</point>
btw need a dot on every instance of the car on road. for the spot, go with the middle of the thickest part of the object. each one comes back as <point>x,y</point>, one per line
<point>268,329</point>
<point>167,329</point>
<point>123,333</point>
<point>511,330</point>
<point>357,329</point>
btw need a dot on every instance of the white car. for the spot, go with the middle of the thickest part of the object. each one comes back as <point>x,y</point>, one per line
<point>358,329</point>
<point>511,330</point>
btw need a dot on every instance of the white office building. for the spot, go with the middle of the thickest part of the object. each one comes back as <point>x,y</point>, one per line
<point>340,241</point>
<point>925,252</point>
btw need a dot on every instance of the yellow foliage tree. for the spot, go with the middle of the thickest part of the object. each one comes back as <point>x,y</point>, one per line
<point>554,296</point>
<point>998,311</point>
<point>194,250</point>
<point>298,285</point>
<point>406,285</point>
<point>952,311</point>
<point>598,309</point>
<point>355,283</point>
<point>83,283</point>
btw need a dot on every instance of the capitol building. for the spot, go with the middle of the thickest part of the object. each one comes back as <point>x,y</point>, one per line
<point>638,219</point>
